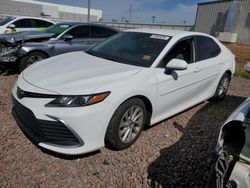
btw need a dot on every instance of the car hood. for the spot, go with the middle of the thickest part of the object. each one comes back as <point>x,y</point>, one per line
<point>76,73</point>
<point>24,36</point>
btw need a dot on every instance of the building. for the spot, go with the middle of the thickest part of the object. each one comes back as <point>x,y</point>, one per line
<point>42,9</point>
<point>228,20</point>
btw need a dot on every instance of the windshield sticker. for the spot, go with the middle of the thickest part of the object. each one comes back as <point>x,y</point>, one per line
<point>162,37</point>
<point>146,57</point>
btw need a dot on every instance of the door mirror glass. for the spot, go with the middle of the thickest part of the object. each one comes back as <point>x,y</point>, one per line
<point>67,37</point>
<point>177,64</point>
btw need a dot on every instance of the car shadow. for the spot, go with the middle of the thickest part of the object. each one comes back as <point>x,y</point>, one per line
<point>68,157</point>
<point>187,163</point>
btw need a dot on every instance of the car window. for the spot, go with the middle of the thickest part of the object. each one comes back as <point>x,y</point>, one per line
<point>80,32</point>
<point>206,48</point>
<point>6,20</point>
<point>140,49</point>
<point>41,24</point>
<point>182,50</point>
<point>58,29</point>
<point>101,32</point>
<point>23,23</point>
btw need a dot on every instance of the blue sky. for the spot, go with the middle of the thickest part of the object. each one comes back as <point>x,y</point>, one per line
<point>166,11</point>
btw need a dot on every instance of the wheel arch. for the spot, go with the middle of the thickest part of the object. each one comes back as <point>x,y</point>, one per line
<point>33,51</point>
<point>148,104</point>
<point>229,72</point>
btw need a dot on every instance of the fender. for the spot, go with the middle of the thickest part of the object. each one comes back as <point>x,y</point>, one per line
<point>28,48</point>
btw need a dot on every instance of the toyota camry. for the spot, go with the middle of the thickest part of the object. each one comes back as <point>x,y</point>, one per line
<point>79,102</point>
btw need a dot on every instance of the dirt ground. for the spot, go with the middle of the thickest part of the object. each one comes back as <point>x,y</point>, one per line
<point>242,54</point>
<point>174,153</point>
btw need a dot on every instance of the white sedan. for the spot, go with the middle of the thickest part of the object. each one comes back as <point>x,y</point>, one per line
<point>79,102</point>
<point>15,24</point>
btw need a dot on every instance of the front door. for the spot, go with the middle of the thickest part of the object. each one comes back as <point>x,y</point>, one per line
<point>80,42</point>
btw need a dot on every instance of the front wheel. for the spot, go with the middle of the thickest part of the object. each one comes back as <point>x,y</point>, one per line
<point>222,88</point>
<point>30,59</point>
<point>126,124</point>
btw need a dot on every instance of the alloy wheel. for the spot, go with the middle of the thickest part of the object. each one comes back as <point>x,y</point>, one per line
<point>131,124</point>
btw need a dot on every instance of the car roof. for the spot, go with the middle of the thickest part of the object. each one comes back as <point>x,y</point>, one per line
<point>90,24</point>
<point>168,32</point>
<point>30,17</point>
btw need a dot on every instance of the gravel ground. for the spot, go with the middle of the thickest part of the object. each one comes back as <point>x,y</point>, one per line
<point>174,153</point>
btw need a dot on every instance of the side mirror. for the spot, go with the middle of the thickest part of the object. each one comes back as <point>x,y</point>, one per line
<point>67,37</point>
<point>177,64</point>
<point>12,26</point>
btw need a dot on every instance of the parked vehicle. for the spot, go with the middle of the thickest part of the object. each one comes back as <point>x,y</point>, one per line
<point>233,148</point>
<point>78,102</point>
<point>14,24</point>
<point>25,48</point>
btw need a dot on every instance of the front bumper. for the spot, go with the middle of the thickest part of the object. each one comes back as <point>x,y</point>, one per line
<point>84,127</point>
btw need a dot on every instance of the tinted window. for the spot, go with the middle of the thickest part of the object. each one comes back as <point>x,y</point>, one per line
<point>41,23</point>
<point>101,32</point>
<point>80,32</point>
<point>206,48</point>
<point>182,50</point>
<point>58,29</point>
<point>6,20</point>
<point>248,20</point>
<point>23,23</point>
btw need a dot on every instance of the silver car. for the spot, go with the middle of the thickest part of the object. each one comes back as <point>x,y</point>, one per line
<point>232,168</point>
<point>22,49</point>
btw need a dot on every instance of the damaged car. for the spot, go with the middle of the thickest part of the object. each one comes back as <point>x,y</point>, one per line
<point>232,168</point>
<point>21,49</point>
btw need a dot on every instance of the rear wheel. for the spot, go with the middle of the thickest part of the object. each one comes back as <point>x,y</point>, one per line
<point>222,88</point>
<point>30,59</point>
<point>126,124</point>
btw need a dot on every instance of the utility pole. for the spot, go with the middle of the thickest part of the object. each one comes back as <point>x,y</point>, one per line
<point>130,12</point>
<point>153,19</point>
<point>89,1</point>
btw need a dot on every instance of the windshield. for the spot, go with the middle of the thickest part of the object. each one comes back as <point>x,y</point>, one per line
<point>140,49</point>
<point>6,20</point>
<point>57,29</point>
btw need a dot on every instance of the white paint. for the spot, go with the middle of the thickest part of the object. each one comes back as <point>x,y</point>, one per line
<point>79,73</point>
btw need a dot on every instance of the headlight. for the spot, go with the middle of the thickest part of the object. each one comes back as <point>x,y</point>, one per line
<point>77,101</point>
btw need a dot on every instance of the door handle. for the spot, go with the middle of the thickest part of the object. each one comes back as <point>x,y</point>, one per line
<point>197,69</point>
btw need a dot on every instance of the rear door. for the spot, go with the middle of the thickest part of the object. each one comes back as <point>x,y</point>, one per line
<point>40,25</point>
<point>208,63</point>
<point>80,42</point>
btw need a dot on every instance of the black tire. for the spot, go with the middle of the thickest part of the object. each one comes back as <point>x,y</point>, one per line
<point>113,136</point>
<point>26,60</point>
<point>221,90</point>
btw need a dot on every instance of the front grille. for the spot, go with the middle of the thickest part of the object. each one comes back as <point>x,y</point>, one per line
<point>51,132</point>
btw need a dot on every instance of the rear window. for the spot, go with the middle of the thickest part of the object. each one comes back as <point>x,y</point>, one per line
<point>206,48</point>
